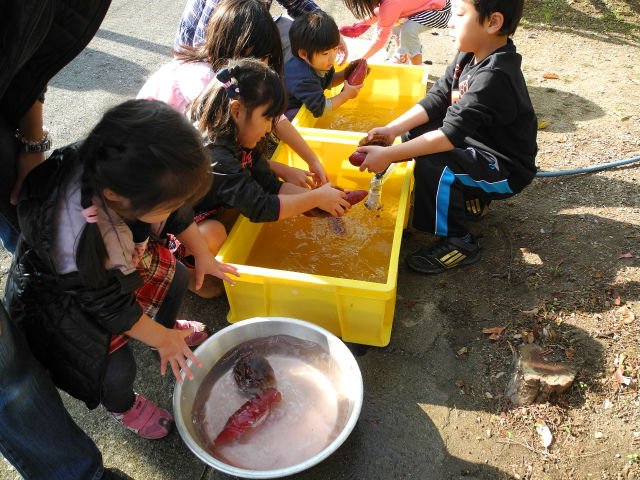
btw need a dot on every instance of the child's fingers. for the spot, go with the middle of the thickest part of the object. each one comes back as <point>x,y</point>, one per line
<point>176,371</point>
<point>199,277</point>
<point>192,356</point>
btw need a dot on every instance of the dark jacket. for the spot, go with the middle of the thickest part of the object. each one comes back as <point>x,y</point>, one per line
<point>493,109</point>
<point>68,324</point>
<point>305,87</point>
<point>244,180</point>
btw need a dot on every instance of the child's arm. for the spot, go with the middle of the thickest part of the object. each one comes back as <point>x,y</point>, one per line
<point>170,344</point>
<point>413,117</point>
<point>347,93</point>
<point>295,200</point>
<point>379,158</point>
<point>205,261</point>
<point>293,175</point>
<point>289,135</point>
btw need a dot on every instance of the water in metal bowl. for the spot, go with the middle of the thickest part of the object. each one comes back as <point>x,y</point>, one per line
<point>321,397</point>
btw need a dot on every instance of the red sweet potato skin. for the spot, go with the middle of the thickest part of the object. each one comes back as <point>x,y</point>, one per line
<point>356,158</point>
<point>356,196</point>
<point>359,73</point>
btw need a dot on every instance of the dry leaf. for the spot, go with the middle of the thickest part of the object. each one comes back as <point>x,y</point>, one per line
<point>572,237</point>
<point>551,76</point>
<point>570,353</point>
<point>494,333</point>
<point>598,275</point>
<point>541,126</point>
<point>627,315</point>
<point>621,378</point>
<point>460,384</point>
<point>462,351</point>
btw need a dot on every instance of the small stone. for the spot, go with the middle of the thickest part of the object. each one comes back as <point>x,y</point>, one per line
<point>598,435</point>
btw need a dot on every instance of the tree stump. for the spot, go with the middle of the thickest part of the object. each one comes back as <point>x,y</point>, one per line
<point>536,378</point>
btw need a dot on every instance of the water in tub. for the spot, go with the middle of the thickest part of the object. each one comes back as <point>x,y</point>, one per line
<point>349,116</point>
<point>309,416</point>
<point>358,250</point>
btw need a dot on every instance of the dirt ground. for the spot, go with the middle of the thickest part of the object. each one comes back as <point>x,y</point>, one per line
<point>563,255</point>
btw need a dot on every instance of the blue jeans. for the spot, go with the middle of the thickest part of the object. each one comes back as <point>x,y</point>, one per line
<point>37,435</point>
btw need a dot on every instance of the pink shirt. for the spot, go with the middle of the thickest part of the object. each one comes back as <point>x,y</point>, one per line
<point>177,83</point>
<point>390,11</point>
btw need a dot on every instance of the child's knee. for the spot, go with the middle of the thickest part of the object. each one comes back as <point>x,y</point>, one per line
<point>214,233</point>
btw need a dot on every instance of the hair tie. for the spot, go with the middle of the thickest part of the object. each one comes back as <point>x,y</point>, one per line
<point>90,214</point>
<point>232,89</point>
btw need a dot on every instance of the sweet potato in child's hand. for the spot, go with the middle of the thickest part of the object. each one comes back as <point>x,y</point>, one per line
<point>356,158</point>
<point>352,197</point>
<point>356,71</point>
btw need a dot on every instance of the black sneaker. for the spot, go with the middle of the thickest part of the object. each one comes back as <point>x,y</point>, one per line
<point>447,253</point>
<point>476,209</point>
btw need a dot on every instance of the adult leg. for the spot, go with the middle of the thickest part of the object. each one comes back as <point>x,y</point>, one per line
<point>9,229</point>
<point>37,435</point>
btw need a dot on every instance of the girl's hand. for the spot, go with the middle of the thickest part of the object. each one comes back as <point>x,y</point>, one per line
<point>388,133</point>
<point>320,173</point>
<point>206,263</point>
<point>332,200</point>
<point>377,159</point>
<point>174,351</point>
<point>299,177</point>
<point>343,52</point>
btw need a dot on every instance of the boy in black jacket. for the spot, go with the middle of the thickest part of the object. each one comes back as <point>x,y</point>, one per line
<point>473,136</point>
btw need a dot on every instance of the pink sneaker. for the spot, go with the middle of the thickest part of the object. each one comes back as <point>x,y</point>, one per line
<point>146,419</point>
<point>197,336</point>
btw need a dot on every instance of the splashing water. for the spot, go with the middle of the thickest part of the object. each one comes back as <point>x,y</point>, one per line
<point>359,250</point>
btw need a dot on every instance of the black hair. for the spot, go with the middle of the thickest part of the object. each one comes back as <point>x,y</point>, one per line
<point>362,9</point>
<point>257,85</point>
<point>238,29</point>
<point>313,32</point>
<point>146,152</point>
<point>511,10</point>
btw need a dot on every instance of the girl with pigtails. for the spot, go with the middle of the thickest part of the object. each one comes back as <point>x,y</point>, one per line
<point>91,269</point>
<point>234,113</point>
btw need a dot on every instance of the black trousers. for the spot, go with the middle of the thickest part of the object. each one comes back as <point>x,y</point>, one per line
<point>117,386</point>
<point>444,181</point>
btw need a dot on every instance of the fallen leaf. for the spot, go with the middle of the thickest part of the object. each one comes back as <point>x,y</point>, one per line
<point>551,76</point>
<point>621,378</point>
<point>441,284</point>
<point>545,434</point>
<point>494,333</point>
<point>460,383</point>
<point>411,304</point>
<point>462,351</point>
<point>541,126</point>
<point>598,275</point>
<point>616,298</point>
<point>625,255</point>
<point>488,395</point>
<point>572,237</point>
<point>626,314</point>
<point>570,353</point>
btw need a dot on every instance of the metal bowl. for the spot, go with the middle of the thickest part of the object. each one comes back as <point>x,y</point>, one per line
<point>226,339</point>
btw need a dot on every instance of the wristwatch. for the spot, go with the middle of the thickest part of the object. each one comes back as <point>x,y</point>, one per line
<point>35,146</point>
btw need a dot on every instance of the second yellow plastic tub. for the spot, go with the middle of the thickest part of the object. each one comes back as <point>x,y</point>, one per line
<point>339,274</point>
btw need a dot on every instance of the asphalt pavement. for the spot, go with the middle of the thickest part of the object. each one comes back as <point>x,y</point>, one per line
<point>409,389</point>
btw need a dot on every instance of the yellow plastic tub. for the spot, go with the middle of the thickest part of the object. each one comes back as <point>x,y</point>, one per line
<point>354,294</point>
<point>388,92</point>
